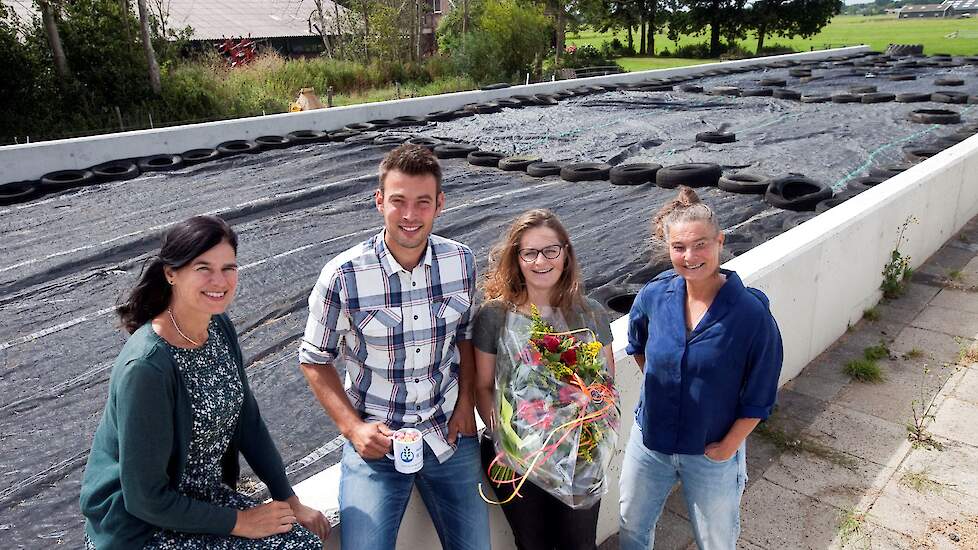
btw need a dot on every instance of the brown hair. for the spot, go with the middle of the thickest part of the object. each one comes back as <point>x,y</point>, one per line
<point>504,279</point>
<point>686,207</point>
<point>413,160</point>
<point>181,243</point>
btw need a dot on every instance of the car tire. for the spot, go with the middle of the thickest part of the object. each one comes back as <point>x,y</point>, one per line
<point>517,163</point>
<point>115,170</point>
<point>454,150</point>
<point>488,159</point>
<point>935,116</point>
<point>543,169</point>
<point>19,192</point>
<point>696,174</point>
<point>160,163</point>
<point>634,174</point>
<point>585,171</point>
<point>796,192</point>
<point>749,184</point>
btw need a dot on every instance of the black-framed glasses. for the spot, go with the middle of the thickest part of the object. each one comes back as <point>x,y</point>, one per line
<point>551,252</point>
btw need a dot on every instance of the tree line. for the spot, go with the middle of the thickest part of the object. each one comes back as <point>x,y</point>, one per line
<point>722,20</point>
<point>78,65</point>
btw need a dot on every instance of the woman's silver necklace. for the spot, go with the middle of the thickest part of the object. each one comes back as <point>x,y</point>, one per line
<point>180,332</point>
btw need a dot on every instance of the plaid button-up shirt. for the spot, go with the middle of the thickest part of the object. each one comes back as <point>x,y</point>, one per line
<point>395,332</point>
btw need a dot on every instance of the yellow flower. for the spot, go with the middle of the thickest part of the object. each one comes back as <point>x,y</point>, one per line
<point>591,349</point>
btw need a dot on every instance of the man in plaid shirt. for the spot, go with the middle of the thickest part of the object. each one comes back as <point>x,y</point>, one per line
<point>393,312</point>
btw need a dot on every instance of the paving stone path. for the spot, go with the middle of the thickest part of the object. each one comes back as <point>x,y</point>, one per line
<point>834,467</point>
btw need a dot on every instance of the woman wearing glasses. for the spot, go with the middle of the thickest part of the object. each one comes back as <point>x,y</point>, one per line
<point>535,265</point>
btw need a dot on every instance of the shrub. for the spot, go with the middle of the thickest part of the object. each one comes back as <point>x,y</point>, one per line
<point>508,40</point>
<point>702,51</point>
<point>775,49</point>
<point>583,56</point>
<point>864,370</point>
<point>615,48</point>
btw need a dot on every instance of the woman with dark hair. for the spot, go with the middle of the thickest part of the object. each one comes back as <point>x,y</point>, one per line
<point>164,460</point>
<point>710,353</point>
<point>534,265</point>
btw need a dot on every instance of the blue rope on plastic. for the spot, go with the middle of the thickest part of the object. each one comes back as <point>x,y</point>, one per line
<point>875,152</point>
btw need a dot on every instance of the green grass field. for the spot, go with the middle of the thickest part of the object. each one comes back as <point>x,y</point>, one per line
<point>937,36</point>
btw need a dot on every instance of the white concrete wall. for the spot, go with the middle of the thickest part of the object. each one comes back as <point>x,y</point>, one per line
<point>31,161</point>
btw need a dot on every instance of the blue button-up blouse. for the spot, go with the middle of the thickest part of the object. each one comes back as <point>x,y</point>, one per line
<point>698,383</point>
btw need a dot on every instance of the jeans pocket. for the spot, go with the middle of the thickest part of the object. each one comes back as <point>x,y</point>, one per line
<point>712,461</point>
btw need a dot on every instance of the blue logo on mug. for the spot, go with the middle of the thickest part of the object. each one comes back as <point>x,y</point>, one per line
<point>407,455</point>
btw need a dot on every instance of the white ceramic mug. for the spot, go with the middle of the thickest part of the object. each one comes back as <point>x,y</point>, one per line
<point>408,454</point>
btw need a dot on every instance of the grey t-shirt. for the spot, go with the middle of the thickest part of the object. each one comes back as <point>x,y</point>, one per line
<point>490,320</point>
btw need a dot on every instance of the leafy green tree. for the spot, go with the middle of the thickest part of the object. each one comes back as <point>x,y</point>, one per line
<point>107,68</point>
<point>507,39</point>
<point>787,18</point>
<point>724,18</point>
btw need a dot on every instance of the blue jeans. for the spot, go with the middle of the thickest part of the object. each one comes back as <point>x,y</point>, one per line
<point>373,497</point>
<point>712,490</point>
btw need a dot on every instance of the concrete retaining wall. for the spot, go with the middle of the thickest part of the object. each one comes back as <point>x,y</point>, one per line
<point>31,161</point>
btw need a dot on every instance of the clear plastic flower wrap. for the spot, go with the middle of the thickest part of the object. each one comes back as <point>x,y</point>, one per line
<point>556,413</point>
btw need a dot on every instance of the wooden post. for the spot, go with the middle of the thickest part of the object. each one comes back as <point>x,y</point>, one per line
<point>329,97</point>
<point>118,115</point>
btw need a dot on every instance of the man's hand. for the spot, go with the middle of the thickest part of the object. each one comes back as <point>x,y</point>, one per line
<point>310,518</point>
<point>371,439</point>
<point>462,421</point>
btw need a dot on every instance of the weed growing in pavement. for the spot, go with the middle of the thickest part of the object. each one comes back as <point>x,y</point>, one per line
<point>923,409</point>
<point>851,528</point>
<point>871,314</point>
<point>954,274</point>
<point>914,353</point>
<point>879,351</point>
<point>967,351</point>
<point>897,271</point>
<point>920,481</point>
<point>784,441</point>
<point>864,370</point>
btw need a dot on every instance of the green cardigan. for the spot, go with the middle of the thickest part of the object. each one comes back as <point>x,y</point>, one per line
<point>140,450</point>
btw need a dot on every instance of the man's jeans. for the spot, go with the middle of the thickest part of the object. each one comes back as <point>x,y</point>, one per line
<point>373,497</point>
<point>712,490</point>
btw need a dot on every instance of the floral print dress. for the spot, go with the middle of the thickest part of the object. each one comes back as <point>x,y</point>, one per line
<point>216,395</point>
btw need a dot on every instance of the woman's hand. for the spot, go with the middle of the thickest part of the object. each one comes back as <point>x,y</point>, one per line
<point>264,520</point>
<point>719,452</point>
<point>310,518</point>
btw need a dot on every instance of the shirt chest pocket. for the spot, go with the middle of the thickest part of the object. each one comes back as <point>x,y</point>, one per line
<point>448,309</point>
<point>376,324</point>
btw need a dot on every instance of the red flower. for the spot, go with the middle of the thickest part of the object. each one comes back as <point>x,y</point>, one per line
<point>531,356</point>
<point>573,394</point>
<point>535,413</point>
<point>551,342</point>
<point>569,357</point>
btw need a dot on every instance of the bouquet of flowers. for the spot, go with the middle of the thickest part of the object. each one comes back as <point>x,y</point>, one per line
<point>556,412</point>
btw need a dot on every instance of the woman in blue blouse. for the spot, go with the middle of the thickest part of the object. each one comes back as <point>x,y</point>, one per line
<point>710,352</point>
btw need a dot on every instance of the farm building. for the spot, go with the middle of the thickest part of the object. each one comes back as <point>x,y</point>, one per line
<point>963,7</point>
<point>926,10</point>
<point>289,26</point>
